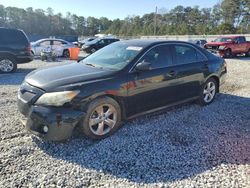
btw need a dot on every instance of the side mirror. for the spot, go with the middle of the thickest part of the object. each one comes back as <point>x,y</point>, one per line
<point>143,66</point>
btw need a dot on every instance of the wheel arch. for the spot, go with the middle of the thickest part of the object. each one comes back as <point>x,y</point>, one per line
<point>118,99</point>
<point>217,79</point>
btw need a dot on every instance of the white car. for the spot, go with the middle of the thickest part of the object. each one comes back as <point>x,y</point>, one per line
<point>59,46</point>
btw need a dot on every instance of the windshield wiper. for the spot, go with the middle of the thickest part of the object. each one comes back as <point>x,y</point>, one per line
<point>89,64</point>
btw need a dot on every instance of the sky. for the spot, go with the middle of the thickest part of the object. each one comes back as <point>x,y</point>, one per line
<point>111,9</point>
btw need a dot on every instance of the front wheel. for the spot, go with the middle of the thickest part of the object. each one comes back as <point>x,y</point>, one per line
<point>248,53</point>
<point>103,118</point>
<point>8,65</point>
<point>208,92</point>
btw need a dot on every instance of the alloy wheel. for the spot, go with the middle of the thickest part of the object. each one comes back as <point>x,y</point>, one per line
<point>66,53</point>
<point>209,92</point>
<point>103,119</point>
<point>6,65</point>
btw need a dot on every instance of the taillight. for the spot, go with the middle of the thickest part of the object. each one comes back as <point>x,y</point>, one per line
<point>29,49</point>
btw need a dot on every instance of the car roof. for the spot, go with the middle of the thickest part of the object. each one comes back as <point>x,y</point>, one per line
<point>149,42</point>
<point>41,40</point>
<point>230,36</point>
<point>12,29</point>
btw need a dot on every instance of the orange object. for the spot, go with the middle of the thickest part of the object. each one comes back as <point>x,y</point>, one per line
<point>74,52</point>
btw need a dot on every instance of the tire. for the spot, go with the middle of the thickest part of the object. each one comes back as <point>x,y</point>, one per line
<point>66,53</point>
<point>102,119</point>
<point>208,92</point>
<point>248,53</point>
<point>8,65</point>
<point>43,58</point>
<point>228,53</point>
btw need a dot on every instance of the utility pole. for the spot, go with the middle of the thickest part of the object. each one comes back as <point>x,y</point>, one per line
<point>155,20</point>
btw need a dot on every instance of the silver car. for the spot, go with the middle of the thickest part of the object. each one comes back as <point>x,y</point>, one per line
<point>59,46</point>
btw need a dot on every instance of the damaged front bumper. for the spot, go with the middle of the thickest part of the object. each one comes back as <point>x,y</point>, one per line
<point>51,123</point>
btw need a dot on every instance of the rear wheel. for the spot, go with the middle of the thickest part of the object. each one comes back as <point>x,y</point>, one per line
<point>208,92</point>
<point>66,53</point>
<point>103,118</point>
<point>248,53</point>
<point>228,53</point>
<point>8,65</point>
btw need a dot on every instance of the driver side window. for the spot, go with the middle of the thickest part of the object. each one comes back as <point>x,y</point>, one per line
<point>159,57</point>
<point>101,42</point>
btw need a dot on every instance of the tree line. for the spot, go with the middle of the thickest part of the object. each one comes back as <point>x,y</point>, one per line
<point>227,17</point>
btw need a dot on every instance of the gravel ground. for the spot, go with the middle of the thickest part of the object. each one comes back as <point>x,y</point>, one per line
<point>186,146</point>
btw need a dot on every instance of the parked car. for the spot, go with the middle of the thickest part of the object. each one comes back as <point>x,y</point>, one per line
<point>82,42</point>
<point>229,46</point>
<point>98,43</point>
<point>199,42</point>
<point>59,46</point>
<point>118,82</point>
<point>14,49</point>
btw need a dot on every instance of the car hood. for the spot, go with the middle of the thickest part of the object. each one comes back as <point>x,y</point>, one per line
<point>51,78</point>
<point>217,43</point>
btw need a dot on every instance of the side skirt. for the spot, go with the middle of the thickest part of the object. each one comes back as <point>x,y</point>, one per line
<point>162,108</point>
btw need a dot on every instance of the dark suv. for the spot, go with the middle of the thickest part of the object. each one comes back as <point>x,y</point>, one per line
<point>118,82</point>
<point>14,48</point>
<point>96,44</point>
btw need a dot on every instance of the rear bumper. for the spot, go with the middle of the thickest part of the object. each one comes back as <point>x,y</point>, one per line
<point>50,123</point>
<point>24,59</point>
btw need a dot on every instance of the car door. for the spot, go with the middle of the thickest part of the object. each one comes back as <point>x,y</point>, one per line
<point>41,46</point>
<point>189,67</point>
<point>57,47</point>
<point>239,46</point>
<point>102,43</point>
<point>151,88</point>
<point>243,45</point>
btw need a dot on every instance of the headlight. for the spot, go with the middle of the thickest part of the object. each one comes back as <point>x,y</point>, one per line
<point>222,47</point>
<point>56,98</point>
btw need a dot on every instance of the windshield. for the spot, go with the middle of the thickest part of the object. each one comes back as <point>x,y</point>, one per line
<point>224,39</point>
<point>92,41</point>
<point>114,56</point>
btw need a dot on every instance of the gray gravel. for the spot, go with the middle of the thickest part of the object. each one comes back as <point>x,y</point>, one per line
<point>186,146</point>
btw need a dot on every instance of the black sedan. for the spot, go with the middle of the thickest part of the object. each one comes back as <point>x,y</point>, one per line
<point>118,82</point>
<point>98,43</point>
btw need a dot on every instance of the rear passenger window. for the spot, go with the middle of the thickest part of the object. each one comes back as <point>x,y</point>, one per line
<point>159,57</point>
<point>242,39</point>
<point>187,54</point>
<point>12,37</point>
<point>45,43</point>
<point>56,42</point>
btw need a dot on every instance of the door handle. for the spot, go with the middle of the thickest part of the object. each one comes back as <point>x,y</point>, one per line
<point>171,73</point>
